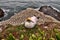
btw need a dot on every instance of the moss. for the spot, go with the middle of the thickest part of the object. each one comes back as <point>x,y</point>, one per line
<point>19,32</point>
<point>10,37</point>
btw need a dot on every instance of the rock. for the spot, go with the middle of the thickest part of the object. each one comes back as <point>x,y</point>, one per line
<point>20,17</point>
<point>48,10</point>
<point>1,13</point>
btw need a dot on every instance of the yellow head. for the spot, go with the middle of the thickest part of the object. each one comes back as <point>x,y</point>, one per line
<point>29,19</point>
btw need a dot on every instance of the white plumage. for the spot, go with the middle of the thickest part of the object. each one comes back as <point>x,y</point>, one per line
<point>32,22</point>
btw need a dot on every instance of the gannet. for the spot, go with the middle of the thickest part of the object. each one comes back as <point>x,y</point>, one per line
<point>31,22</point>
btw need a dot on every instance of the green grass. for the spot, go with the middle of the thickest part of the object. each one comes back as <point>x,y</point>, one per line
<point>21,33</point>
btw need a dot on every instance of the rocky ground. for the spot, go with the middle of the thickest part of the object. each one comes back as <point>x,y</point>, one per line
<point>46,23</point>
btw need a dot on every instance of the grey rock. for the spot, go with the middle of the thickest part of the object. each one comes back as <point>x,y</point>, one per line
<point>48,10</point>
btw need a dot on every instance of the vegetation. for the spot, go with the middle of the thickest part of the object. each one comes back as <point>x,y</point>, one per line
<point>36,33</point>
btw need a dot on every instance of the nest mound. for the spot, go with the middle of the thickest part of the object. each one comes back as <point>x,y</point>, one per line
<point>20,17</point>
<point>47,26</point>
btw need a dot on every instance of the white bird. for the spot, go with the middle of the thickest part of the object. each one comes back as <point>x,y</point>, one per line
<point>31,22</point>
